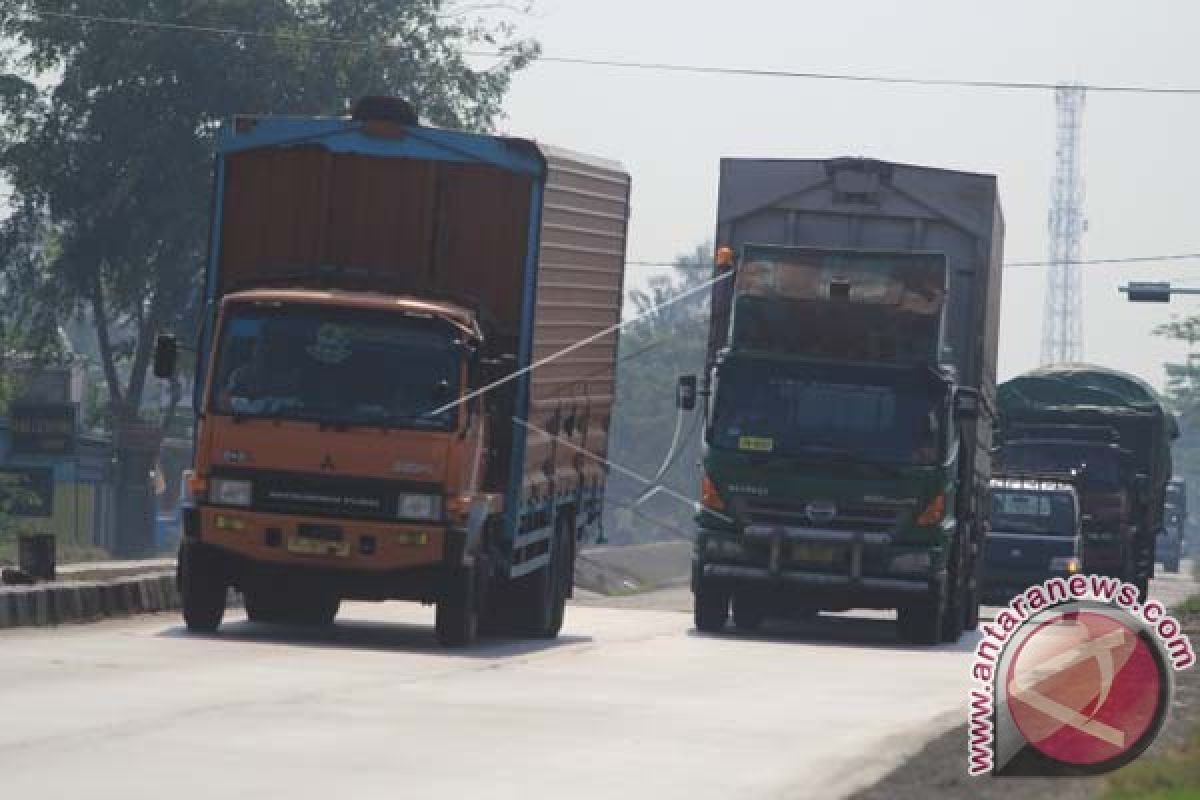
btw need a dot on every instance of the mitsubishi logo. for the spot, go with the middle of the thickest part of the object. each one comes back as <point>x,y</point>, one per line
<point>327,465</point>
<point>820,512</point>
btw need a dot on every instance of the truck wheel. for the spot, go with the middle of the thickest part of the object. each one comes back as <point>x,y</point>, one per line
<point>973,605</point>
<point>457,619</point>
<point>957,599</point>
<point>711,606</point>
<point>921,621</point>
<point>202,586</point>
<point>537,603</point>
<point>956,617</point>
<point>1172,566</point>
<point>749,611</point>
<point>974,592</point>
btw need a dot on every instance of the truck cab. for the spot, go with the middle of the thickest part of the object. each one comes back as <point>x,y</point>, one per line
<point>1105,487</point>
<point>1035,533</point>
<point>839,459</point>
<point>335,435</point>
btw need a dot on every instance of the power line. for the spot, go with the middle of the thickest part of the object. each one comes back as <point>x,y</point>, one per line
<point>1007,265</point>
<point>645,66</point>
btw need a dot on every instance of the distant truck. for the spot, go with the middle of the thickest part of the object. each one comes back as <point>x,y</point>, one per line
<point>369,425</point>
<point>1100,469</point>
<point>1170,545</point>
<point>1076,409</point>
<point>1035,533</point>
<point>852,358</point>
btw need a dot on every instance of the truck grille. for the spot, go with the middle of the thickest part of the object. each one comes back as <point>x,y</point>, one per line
<point>860,518</point>
<point>325,496</point>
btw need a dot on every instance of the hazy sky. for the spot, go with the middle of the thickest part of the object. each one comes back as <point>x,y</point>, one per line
<point>1140,152</point>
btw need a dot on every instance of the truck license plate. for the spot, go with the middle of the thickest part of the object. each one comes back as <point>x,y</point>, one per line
<point>315,547</point>
<point>814,553</point>
<point>319,540</point>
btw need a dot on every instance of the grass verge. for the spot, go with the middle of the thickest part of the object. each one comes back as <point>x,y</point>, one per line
<point>1175,774</point>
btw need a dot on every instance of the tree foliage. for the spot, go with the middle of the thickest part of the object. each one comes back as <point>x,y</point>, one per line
<point>667,340</point>
<point>107,127</point>
<point>1183,392</point>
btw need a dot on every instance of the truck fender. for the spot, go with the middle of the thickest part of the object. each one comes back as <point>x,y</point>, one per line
<point>476,521</point>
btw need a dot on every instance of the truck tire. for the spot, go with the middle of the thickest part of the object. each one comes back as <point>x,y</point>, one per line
<point>711,606</point>
<point>535,605</point>
<point>749,611</point>
<point>956,611</point>
<point>202,587</point>
<point>921,621</point>
<point>457,617</point>
<point>1143,586</point>
<point>975,591</point>
<point>1172,565</point>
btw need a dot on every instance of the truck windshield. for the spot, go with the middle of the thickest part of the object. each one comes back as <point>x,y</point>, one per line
<point>337,368</point>
<point>1051,513</point>
<point>829,411</point>
<point>1099,465</point>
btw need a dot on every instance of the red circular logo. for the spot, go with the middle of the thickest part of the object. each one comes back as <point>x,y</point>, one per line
<point>1087,688</point>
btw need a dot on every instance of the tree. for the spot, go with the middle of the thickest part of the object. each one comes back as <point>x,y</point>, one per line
<point>667,340</point>
<point>1183,393</point>
<point>107,127</point>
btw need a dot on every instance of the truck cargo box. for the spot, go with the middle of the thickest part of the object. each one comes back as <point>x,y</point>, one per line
<point>870,205</point>
<point>532,237</point>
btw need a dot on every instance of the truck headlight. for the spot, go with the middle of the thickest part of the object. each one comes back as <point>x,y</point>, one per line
<point>912,563</point>
<point>1067,564</point>
<point>426,507</point>
<point>225,492</point>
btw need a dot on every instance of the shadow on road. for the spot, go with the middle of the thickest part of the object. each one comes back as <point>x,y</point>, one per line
<point>841,630</point>
<point>388,637</point>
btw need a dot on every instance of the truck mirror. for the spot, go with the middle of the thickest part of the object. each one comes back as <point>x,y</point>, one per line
<point>966,404</point>
<point>685,394</point>
<point>166,357</point>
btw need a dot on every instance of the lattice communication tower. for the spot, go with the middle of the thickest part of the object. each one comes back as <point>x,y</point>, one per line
<point>1062,326</point>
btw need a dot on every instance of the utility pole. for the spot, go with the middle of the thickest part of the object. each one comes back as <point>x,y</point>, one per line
<point>1062,322</point>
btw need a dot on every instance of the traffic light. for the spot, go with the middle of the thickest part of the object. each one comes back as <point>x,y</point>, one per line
<point>1148,292</point>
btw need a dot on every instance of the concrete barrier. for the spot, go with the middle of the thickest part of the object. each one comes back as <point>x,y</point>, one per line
<point>66,603</point>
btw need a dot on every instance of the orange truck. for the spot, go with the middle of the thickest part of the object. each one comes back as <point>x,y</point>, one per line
<point>406,372</point>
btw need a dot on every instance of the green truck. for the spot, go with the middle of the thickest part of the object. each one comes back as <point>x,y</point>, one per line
<point>848,396</point>
<point>1116,432</point>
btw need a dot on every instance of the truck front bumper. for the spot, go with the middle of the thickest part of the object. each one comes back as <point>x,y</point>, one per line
<point>864,564</point>
<point>371,560</point>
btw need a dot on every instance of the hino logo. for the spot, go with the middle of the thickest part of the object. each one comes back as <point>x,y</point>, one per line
<point>327,465</point>
<point>757,491</point>
<point>821,511</point>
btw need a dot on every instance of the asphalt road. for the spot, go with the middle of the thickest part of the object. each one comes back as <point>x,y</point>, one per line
<point>629,703</point>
